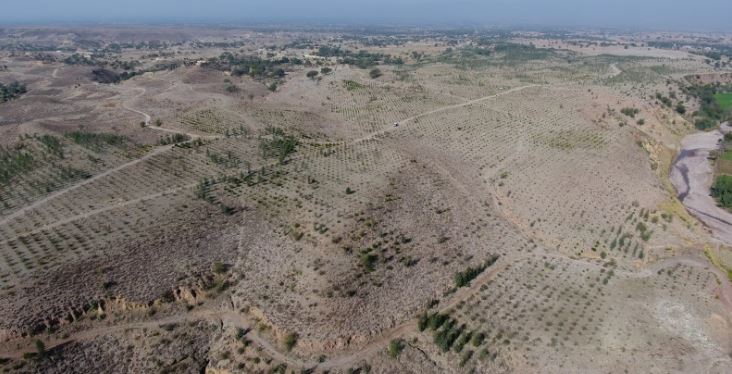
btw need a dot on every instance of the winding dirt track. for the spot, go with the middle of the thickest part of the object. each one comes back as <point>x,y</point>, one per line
<point>148,119</point>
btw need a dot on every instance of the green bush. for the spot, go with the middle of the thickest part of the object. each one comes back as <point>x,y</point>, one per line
<point>630,112</point>
<point>277,144</point>
<point>463,278</point>
<point>95,141</point>
<point>396,346</point>
<point>12,91</point>
<point>290,341</point>
<point>722,190</point>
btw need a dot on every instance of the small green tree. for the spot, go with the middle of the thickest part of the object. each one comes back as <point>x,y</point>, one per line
<point>219,267</point>
<point>290,341</point>
<point>312,74</point>
<point>40,349</point>
<point>396,346</point>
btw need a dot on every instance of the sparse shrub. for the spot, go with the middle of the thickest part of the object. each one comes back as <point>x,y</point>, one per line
<point>352,85</point>
<point>290,341</point>
<point>40,349</point>
<point>395,348</point>
<point>478,339</point>
<point>375,73</point>
<point>630,112</point>
<point>436,320</point>
<point>465,357</point>
<point>368,260</point>
<point>278,144</point>
<point>680,108</point>
<point>423,321</point>
<point>219,267</point>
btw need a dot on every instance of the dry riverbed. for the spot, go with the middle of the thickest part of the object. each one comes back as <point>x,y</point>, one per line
<point>692,175</point>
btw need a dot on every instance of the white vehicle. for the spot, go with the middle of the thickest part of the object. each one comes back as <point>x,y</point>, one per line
<point>396,124</point>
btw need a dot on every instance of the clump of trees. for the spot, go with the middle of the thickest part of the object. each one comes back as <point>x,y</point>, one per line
<point>276,143</point>
<point>12,91</point>
<point>630,112</point>
<point>362,59</point>
<point>253,66</point>
<point>14,161</point>
<point>722,190</point>
<point>463,278</point>
<point>174,139</point>
<point>710,113</point>
<point>95,141</point>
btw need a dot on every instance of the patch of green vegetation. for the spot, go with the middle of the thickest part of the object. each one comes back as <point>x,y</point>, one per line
<point>14,161</point>
<point>630,112</point>
<point>290,341</point>
<point>463,278</point>
<point>12,91</point>
<point>352,85</point>
<point>53,145</point>
<point>174,139</point>
<point>665,100</point>
<point>252,66</point>
<point>724,100</point>
<point>228,160</point>
<point>276,143</point>
<point>368,259</point>
<point>715,104</point>
<point>95,141</point>
<point>515,52</point>
<point>722,190</point>
<point>375,73</point>
<point>219,267</point>
<point>362,59</point>
<point>396,346</point>
<point>727,155</point>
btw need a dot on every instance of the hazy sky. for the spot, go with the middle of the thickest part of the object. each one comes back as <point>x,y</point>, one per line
<point>666,14</point>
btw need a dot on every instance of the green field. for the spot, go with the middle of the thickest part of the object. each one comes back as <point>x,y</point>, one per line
<point>724,100</point>
<point>727,155</point>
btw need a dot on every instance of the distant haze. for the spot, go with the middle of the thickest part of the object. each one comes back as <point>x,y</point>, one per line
<point>712,15</point>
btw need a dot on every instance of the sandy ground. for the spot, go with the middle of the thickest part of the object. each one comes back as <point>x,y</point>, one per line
<point>692,176</point>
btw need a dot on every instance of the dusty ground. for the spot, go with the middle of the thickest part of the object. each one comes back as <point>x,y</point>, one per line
<point>211,255</point>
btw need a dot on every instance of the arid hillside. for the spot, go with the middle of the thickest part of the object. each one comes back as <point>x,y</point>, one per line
<point>249,200</point>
